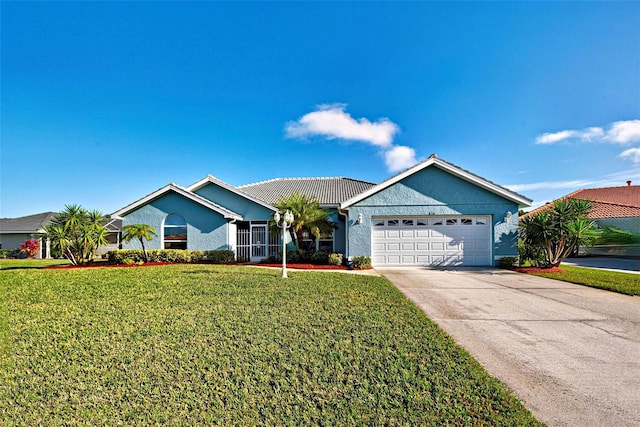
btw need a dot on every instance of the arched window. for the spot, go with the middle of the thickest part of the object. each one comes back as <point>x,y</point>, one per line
<point>175,232</point>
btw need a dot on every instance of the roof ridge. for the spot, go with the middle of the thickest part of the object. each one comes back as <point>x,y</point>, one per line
<point>299,179</point>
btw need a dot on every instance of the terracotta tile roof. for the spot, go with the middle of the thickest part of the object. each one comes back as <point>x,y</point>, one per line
<point>328,191</point>
<point>608,202</point>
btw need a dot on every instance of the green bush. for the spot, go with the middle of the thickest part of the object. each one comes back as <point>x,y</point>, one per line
<point>335,258</point>
<point>219,256</point>
<point>361,261</point>
<point>320,257</point>
<point>155,255</point>
<point>508,262</point>
<point>616,236</point>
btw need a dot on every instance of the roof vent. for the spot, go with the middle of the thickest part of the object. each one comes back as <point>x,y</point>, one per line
<point>629,183</point>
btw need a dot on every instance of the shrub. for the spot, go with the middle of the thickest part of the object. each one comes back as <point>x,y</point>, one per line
<point>361,261</point>
<point>320,257</point>
<point>335,258</point>
<point>508,262</point>
<point>155,255</point>
<point>616,236</point>
<point>219,256</point>
<point>30,248</point>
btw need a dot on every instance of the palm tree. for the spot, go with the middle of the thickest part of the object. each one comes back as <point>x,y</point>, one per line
<point>77,233</point>
<point>140,232</point>
<point>555,234</point>
<point>307,216</point>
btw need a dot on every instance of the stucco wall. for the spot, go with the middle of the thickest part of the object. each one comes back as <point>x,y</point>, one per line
<point>433,191</point>
<point>249,210</point>
<point>206,229</point>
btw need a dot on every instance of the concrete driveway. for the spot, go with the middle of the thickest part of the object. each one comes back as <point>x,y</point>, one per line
<point>570,353</point>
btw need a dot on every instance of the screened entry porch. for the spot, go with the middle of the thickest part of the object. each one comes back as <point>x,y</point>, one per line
<point>255,243</point>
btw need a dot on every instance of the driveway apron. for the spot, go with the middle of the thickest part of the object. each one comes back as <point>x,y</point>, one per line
<point>571,353</point>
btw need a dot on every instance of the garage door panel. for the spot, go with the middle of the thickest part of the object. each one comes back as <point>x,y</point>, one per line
<point>407,234</point>
<point>432,241</point>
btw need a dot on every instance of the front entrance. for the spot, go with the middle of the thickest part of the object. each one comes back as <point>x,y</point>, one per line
<point>258,242</point>
<point>255,243</point>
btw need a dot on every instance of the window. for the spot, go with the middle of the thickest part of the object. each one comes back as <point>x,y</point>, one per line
<point>393,223</point>
<point>421,222</point>
<point>378,222</point>
<point>452,221</point>
<point>407,223</point>
<point>481,221</point>
<point>175,232</point>
<point>436,221</point>
<point>466,221</point>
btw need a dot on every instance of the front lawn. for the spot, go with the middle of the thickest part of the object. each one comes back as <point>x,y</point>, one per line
<point>8,264</point>
<point>204,344</point>
<point>624,283</point>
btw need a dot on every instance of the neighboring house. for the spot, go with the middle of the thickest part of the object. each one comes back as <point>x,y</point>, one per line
<point>612,207</point>
<point>14,231</point>
<point>434,213</point>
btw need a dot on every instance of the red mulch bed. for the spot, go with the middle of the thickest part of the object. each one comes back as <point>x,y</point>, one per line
<point>533,270</point>
<point>310,266</point>
<point>149,264</point>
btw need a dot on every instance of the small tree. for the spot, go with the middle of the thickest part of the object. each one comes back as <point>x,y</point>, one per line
<point>307,216</point>
<point>77,233</point>
<point>30,248</point>
<point>141,232</point>
<point>552,235</point>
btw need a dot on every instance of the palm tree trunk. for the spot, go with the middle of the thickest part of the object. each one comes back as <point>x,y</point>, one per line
<point>144,250</point>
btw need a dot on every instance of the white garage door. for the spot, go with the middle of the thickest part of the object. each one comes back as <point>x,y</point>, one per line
<point>432,241</point>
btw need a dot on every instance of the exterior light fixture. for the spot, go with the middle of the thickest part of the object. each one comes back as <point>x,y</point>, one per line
<point>507,217</point>
<point>359,218</point>
<point>283,222</point>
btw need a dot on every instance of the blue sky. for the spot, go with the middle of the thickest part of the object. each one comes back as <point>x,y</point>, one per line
<point>105,102</point>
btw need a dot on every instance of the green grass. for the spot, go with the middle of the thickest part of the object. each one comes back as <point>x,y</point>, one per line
<point>203,344</point>
<point>9,264</point>
<point>624,283</point>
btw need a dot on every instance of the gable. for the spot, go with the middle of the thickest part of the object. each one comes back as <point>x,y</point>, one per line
<point>232,199</point>
<point>433,162</point>
<point>183,193</point>
<point>432,187</point>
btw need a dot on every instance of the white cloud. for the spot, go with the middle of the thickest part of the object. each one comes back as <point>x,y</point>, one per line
<point>610,180</point>
<point>632,153</point>
<point>400,157</point>
<point>331,121</point>
<point>552,138</point>
<point>551,185</point>
<point>622,132</point>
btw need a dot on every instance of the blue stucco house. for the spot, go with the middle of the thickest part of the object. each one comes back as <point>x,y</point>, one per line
<point>434,213</point>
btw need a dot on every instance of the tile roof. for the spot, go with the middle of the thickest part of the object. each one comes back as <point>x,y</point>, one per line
<point>328,191</point>
<point>608,202</point>
<point>24,224</point>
